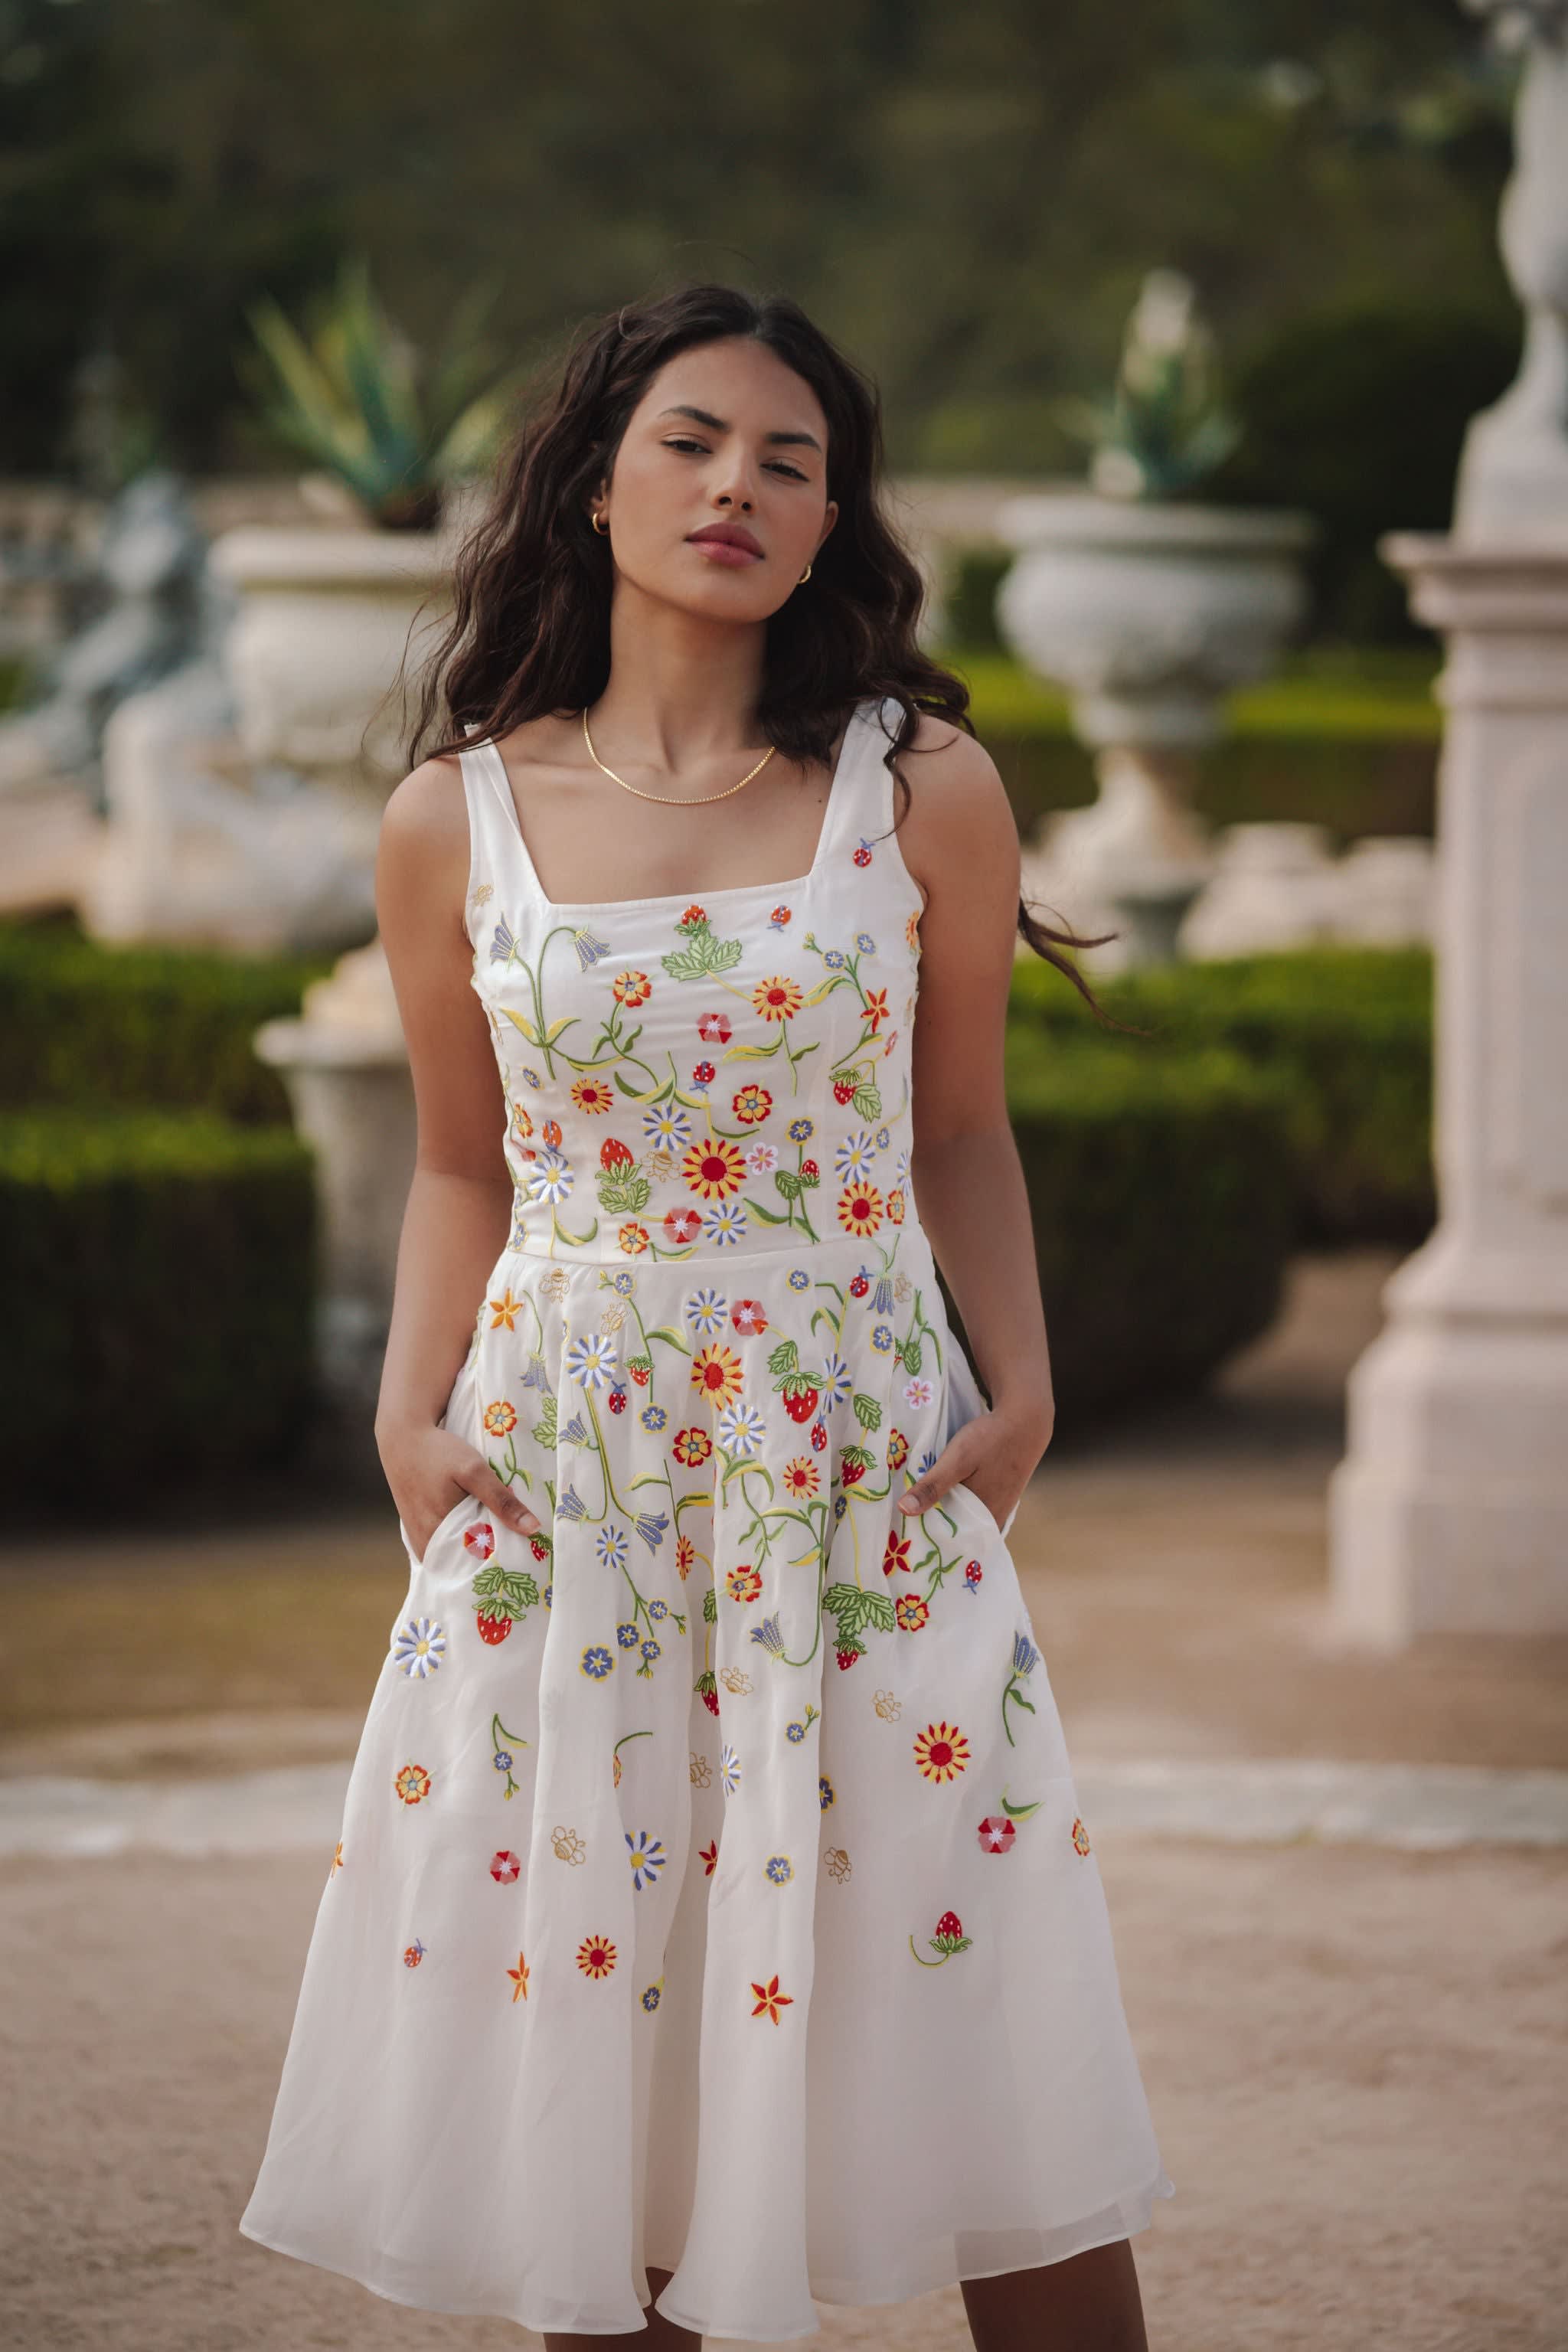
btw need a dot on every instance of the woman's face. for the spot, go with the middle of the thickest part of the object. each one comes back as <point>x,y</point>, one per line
<point>724,433</point>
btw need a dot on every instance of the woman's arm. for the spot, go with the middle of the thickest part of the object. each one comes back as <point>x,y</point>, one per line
<point>458,1212</point>
<point>961,845</point>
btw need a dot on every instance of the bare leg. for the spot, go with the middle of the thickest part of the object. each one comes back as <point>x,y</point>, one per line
<point>1090,2303</point>
<point>663,2335</point>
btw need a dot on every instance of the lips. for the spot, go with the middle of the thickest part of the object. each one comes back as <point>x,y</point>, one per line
<point>728,535</point>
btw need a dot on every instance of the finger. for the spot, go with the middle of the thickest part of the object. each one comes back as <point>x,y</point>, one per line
<point>951,1465</point>
<point>504,1503</point>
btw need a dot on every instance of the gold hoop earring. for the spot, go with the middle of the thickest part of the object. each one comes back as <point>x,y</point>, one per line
<point>804,577</point>
<point>602,528</point>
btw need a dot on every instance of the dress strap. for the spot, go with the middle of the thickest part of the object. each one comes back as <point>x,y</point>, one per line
<point>856,795</point>
<point>495,838</point>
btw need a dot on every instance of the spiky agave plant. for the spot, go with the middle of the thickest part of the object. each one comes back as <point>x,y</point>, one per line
<point>353,394</point>
<point>1164,427</point>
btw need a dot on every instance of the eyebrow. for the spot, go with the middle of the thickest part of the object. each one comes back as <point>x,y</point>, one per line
<point>717,424</point>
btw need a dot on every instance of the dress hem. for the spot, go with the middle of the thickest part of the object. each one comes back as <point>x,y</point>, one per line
<point>840,2294</point>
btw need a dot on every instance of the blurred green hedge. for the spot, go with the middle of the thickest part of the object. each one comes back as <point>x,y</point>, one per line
<point>1163,1195</point>
<point>157,1272</point>
<point>1346,1031</point>
<point>83,1022</point>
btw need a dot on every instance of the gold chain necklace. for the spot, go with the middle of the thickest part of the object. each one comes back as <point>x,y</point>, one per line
<point>671,800</point>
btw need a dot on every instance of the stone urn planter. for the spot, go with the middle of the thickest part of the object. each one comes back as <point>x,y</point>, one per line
<point>1149,611</point>
<point>322,627</point>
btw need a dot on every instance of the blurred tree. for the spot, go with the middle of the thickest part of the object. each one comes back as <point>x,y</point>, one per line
<point>969,198</point>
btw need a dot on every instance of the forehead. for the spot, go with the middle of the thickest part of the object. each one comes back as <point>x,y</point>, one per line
<point>736,385</point>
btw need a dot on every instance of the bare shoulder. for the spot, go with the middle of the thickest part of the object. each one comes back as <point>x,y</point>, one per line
<point>959,813</point>
<point>426,807</point>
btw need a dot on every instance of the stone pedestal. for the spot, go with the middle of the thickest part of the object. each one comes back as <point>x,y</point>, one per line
<point>345,1064</point>
<point>1450,1510</point>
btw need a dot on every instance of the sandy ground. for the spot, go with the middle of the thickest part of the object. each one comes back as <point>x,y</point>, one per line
<point>1355,2062</point>
<point>1356,2056</point>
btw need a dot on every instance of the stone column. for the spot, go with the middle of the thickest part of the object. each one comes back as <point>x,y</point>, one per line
<point>1450,1510</point>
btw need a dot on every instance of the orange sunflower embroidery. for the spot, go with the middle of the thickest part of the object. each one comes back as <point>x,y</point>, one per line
<point>716,1370</point>
<point>595,1956</point>
<point>714,1167</point>
<point>777,1000</point>
<point>942,1751</point>
<point>802,1477</point>
<point>592,1094</point>
<point>769,2000</point>
<point>860,1208</point>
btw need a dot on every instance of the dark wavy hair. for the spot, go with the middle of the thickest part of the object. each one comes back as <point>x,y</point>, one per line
<point>528,632</point>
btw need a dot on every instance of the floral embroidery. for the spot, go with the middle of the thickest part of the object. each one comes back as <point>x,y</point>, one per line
<point>418,1647</point>
<point>769,2000</point>
<point>942,1751</point>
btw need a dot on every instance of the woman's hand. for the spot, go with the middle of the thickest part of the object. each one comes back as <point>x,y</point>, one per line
<point>994,1455</point>
<point>430,1469</point>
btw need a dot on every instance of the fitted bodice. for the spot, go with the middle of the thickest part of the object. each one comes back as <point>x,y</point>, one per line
<point>724,1073</point>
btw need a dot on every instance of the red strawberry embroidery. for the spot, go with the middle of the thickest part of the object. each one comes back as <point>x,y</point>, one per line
<point>493,1628</point>
<point>799,1397</point>
<point>847,1653</point>
<point>844,1090</point>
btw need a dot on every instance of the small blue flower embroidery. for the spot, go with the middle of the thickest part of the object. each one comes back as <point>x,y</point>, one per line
<point>597,1662</point>
<point>648,1858</point>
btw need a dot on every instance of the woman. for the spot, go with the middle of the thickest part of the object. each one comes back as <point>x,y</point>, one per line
<point>713,1704</point>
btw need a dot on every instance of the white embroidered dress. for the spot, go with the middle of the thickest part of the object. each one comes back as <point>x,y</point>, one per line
<point>713,1891</point>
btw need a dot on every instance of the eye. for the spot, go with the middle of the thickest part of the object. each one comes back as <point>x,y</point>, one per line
<point>679,441</point>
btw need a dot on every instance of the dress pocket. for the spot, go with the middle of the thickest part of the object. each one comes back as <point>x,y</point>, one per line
<point>985,1510</point>
<point>465,1502</point>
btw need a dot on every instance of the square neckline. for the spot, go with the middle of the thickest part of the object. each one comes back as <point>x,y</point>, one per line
<point>794,882</point>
